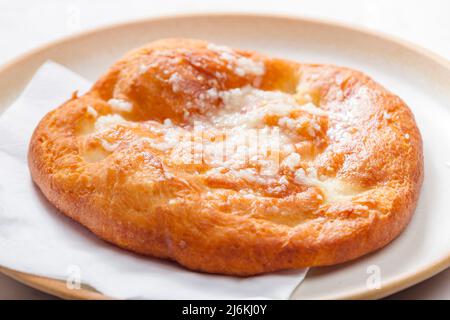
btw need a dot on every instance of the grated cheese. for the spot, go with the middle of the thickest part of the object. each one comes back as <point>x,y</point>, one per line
<point>120,105</point>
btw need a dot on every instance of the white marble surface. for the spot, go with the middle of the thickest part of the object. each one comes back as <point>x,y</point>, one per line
<point>28,24</point>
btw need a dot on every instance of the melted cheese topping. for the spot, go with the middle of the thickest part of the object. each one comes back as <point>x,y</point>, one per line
<point>120,105</point>
<point>239,64</point>
<point>107,121</point>
<point>253,136</point>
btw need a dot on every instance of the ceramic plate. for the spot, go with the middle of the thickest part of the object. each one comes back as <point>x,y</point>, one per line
<point>417,76</point>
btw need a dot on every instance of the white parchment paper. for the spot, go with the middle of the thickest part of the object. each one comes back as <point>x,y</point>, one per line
<point>35,238</point>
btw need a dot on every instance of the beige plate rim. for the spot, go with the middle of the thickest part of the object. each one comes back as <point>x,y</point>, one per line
<point>58,287</point>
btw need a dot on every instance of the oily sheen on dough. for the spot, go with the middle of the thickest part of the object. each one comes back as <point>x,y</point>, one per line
<point>339,175</point>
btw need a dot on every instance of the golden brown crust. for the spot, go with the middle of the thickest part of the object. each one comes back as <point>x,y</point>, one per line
<point>367,152</point>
